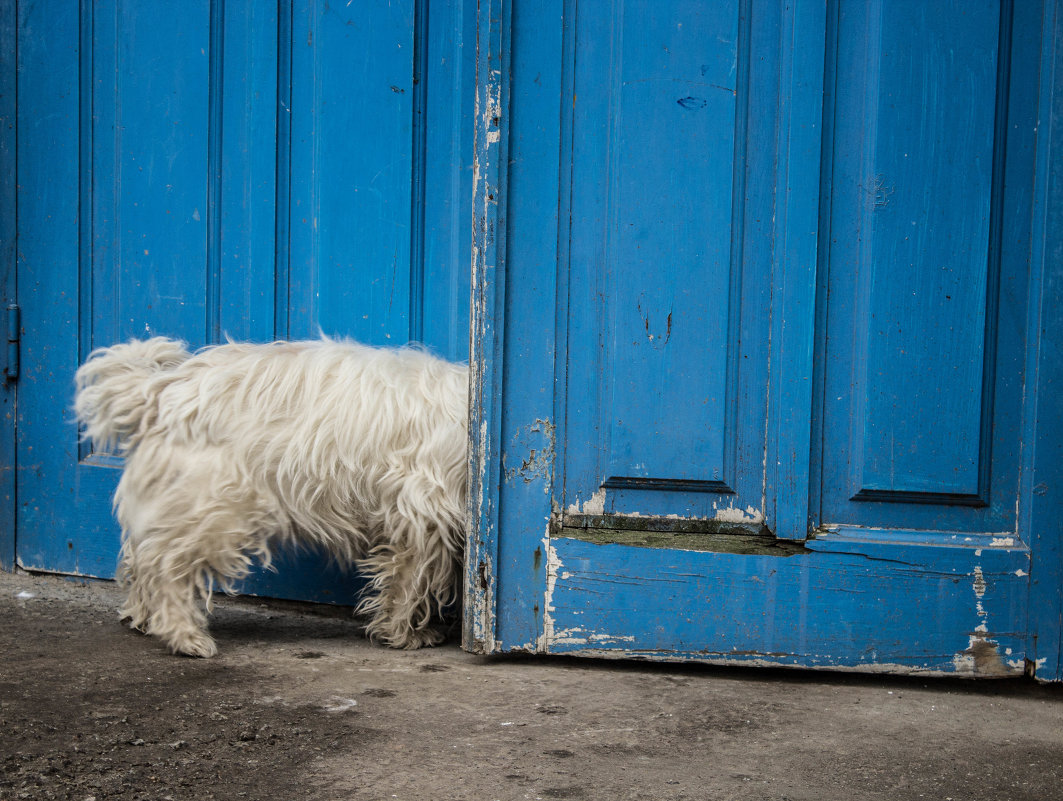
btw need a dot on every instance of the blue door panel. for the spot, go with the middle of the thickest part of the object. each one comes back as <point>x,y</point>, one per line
<point>667,288</point>
<point>239,170</point>
<point>919,211</point>
<point>250,180</point>
<point>146,265</point>
<point>351,168</point>
<point>921,368</point>
<point>852,233</point>
<point>832,606</point>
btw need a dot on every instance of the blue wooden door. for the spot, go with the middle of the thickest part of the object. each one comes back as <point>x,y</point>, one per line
<point>759,334</point>
<point>213,169</point>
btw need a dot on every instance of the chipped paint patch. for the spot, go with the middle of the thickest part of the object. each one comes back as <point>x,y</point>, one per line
<point>595,505</point>
<point>536,443</point>
<point>481,611</point>
<point>981,657</point>
<point>732,514</point>
<point>578,636</point>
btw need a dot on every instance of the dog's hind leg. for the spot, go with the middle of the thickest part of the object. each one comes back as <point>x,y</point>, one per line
<point>185,530</point>
<point>168,607</point>
<point>164,582</point>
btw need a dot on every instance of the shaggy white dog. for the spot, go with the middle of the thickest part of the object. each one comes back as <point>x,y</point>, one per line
<point>239,448</point>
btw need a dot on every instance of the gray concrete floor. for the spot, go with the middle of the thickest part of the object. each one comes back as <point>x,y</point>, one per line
<point>298,706</point>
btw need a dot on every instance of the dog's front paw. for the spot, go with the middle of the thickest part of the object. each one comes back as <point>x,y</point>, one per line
<point>198,644</point>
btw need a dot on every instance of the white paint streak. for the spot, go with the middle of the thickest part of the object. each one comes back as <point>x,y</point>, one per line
<point>568,637</point>
<point>611,638</point>
<point>579,636</point>
<point>553,568</point>
<point>1002,542</point>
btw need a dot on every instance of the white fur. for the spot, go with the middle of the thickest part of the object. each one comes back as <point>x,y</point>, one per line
<point>239,448</point>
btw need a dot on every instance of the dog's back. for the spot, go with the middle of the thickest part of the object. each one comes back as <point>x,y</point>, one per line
<point>114,399</point>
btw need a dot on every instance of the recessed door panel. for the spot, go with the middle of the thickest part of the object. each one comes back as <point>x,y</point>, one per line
<point>922,278</point>
<point>667,297</point>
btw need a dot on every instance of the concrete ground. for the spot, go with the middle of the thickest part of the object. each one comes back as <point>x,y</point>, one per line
<point>298,706</point>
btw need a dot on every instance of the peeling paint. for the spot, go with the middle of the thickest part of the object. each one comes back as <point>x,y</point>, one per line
<point>480,612</point>
<point>982,657</point>
<point>733,514</point>
<point>552,636</point>
<point>578,636</point>
<point>538,441</point>
<point>595,505</point>
<point>553,566</point>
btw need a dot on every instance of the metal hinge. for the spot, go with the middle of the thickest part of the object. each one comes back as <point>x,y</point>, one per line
<point>13,337</point>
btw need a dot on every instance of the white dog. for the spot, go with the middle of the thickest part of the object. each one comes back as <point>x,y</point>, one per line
<point>237,449</point>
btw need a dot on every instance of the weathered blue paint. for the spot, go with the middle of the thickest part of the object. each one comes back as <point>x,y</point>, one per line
<point>252,170</point>
<point>922,378</point>
<point>7,277</point>
<point>663,328</point>
<point>1041,490</point>
<point>489,284</point>
<point>836,606</point>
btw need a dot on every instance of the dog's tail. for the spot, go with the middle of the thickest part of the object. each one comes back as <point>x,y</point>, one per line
<point>114,399</point>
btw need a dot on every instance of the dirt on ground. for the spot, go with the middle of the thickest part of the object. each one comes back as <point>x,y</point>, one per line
<point>298,706</point>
